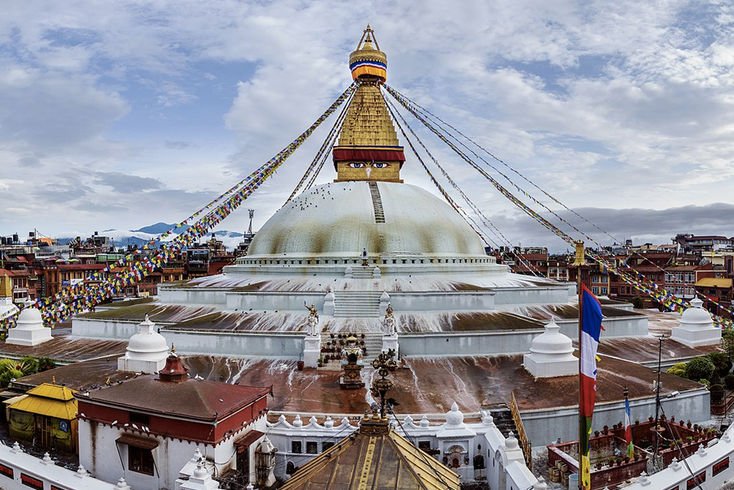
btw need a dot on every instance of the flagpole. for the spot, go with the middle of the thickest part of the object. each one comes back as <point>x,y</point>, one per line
<point>579,262</point>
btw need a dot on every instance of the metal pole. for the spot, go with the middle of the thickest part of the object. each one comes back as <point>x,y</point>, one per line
<point>657,403</point>
<point>579,289</point>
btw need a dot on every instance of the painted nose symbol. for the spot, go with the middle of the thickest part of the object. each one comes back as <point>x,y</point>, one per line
<point>369,169</point>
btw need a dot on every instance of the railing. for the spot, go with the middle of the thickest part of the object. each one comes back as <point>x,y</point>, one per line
<point>723,407</point>
<point>521,434</point>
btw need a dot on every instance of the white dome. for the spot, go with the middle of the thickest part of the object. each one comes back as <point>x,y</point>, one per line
<point>551,343</point>
<point>340,219</point>
<point>147,343</point>
<point>696,315</point>
<point>29,318</point>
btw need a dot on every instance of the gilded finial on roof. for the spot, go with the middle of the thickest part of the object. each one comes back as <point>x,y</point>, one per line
<point>368,61</point>
<point>53,380</point>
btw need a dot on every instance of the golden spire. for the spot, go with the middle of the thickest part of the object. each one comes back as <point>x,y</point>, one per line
<point>368,146</point>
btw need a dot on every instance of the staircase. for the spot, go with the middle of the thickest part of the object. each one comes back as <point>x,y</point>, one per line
<point>503,420</point>
<point>377,203</point>
<point>361,272</point>
<point>357,304</point>
<point>372,345</point>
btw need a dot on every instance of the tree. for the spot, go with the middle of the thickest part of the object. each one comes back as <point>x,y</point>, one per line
<point>729,381</point>
<point>678,369</point>
<point>727,342</point>
<point>717,393</point>
<point>721,361</point>
<point>700,368</point>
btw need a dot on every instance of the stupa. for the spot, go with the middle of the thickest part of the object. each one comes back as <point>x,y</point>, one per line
<point>146,352</point>
<point>29,329</point>
<point>551,354</point>
<point>357,245</point>
<point>696,327</point>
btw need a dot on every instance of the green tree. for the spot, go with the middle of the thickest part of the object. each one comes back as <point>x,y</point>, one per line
<point>721,361</point>
<point>8,374</point>
<point>700,368</point>
<point>678,369</point>
<point>717,392</point>
<point>727,342</point>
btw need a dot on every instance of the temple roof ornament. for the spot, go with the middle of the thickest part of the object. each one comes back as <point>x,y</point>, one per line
<point>366,60</point>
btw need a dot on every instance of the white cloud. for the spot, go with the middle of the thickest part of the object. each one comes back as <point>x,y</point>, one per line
<point>608,105</point>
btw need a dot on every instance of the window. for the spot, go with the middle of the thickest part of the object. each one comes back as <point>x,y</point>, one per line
<point>7,471</point>
<point>29,481</point>
<point>140,460</point>
<point>720,466</point>
<point>139,419</point>
<point>326,445</point>
<point>296,447</point>
<point>424,445</point>
<point>696,480</point>
<point>312,447</point>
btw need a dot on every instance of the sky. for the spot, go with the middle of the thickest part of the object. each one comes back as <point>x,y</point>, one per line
<point>123,114</point>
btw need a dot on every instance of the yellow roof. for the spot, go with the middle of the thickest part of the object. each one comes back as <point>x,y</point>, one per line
<point>714,282</point>
<point>50,400</point>
<point>53,391</point>
<point>373,457</point>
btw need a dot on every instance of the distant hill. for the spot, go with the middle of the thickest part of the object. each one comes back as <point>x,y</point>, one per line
<point>141,236</point>
<point>158,228</point>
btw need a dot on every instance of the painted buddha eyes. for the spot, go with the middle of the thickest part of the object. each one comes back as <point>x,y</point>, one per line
<point>373,165</point>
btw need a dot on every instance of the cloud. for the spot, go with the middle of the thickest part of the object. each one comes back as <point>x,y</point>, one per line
<point>126,183</point>
<point>640,225</point>
<point>623,105</point>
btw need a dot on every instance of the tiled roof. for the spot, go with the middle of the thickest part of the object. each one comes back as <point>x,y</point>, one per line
<point>193,398</point>
<point>374,457</point>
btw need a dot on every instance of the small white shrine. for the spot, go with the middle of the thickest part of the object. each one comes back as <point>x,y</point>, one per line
<point>551,354</point>
<point>696,327</point>
<point>146,351</point>
<point>29,329</point>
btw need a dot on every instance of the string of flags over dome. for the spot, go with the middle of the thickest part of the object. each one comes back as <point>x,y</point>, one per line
<point>367,92</point>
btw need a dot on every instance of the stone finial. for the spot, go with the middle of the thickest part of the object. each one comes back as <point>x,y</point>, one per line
<point>511,441</point>
<point>329,422</point>
<point>47,459</point>
<point>454,416</point>
<point>122,484</point>
<point>540,484</point>
<point>81,472</point>
<point>197,456</point>
<point>200,472</point>
<point>297,422</point>
<point>487,418</point>
<point>644,480</point>
<point>17,448</point>
<point>424,421</point>
<point>675,464</point>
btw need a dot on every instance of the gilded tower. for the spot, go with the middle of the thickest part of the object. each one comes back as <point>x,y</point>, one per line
<point>368,146</point>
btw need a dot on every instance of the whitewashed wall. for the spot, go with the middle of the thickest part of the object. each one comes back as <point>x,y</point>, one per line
<point>102,456</point>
